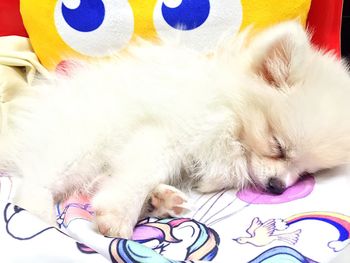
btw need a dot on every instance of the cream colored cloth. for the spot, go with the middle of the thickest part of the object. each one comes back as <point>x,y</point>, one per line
<point>18,66</point>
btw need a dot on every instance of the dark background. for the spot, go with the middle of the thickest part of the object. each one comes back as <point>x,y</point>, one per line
<point>346,30</point>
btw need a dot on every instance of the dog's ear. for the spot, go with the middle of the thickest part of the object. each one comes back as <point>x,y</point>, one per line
<point>277,54</point>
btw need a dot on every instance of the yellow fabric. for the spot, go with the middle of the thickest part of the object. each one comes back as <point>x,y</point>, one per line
<point>18,66</point>
<point>54,41</point>
<point>143,18</point>
<point>262,13</point>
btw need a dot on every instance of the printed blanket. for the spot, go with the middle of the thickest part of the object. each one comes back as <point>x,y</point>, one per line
<point>310,222</point>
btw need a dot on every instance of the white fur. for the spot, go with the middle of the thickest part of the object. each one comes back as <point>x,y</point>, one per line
<point>165,114</point>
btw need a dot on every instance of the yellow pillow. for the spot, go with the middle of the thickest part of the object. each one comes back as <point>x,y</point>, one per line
<point>61,29</point>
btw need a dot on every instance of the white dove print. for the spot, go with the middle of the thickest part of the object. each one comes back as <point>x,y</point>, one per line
<point>262,234</point>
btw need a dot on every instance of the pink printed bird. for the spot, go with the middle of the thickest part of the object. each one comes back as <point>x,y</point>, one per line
<point>262,234</point>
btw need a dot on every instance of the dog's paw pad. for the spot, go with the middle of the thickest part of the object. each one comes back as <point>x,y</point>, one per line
<point>166,200</point>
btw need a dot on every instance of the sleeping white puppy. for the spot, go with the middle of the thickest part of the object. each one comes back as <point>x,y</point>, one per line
<point>259,112</point>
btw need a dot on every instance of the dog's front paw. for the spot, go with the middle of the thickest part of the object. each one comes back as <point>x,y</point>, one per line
<point>167,200</point>
<point>114,224</point>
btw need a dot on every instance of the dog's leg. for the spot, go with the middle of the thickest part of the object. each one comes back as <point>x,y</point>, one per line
<point>37,199</point>
<point>144,163</point>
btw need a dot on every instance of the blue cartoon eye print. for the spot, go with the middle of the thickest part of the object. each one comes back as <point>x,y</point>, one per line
<point>82,24</point>
<point>185,14</point>
<point>86,17</point>
<point>191,22</point>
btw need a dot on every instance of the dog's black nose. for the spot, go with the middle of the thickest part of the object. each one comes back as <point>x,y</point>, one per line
<point>275,186</point>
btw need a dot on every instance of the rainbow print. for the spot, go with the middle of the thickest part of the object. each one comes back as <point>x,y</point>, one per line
<point>340,221</point>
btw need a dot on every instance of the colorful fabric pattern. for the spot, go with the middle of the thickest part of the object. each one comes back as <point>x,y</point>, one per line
<point>61,29</point>
<point>308,223</point>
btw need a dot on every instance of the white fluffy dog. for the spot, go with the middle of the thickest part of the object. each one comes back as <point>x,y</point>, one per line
<point>259,111</point>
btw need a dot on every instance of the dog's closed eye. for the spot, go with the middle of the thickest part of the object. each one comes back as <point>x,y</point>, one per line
<point>279,150</point>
